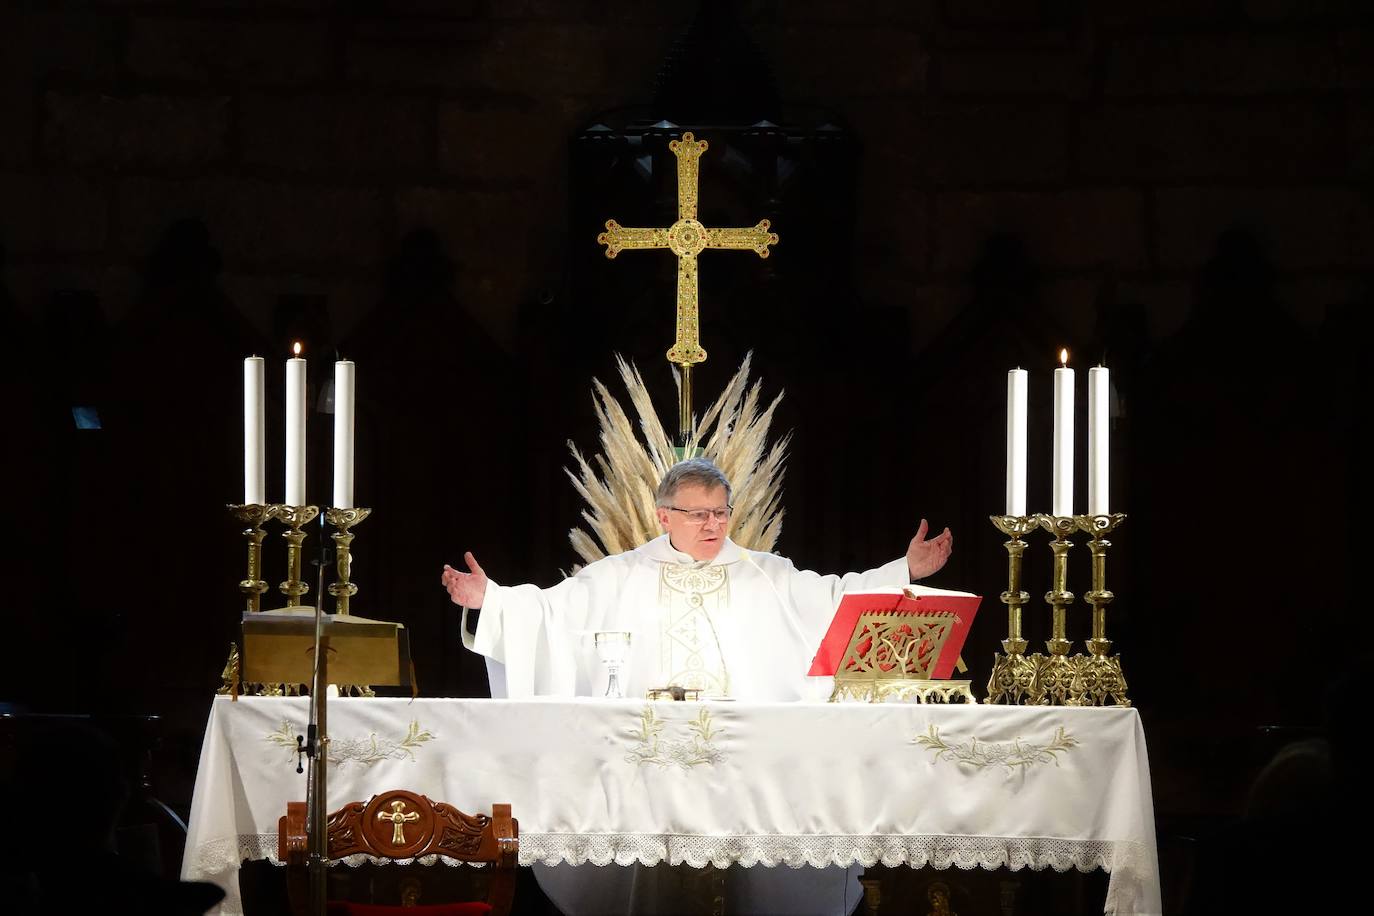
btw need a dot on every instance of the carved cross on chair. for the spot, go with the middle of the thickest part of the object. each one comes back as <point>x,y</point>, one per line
<point>360,828</point>
<point>399,817</point>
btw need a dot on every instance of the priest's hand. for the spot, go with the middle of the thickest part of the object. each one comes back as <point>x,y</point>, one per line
<point>466,588</point>
<point>925,557</point>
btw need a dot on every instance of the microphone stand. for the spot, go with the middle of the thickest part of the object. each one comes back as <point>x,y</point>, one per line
<point>317,750</point>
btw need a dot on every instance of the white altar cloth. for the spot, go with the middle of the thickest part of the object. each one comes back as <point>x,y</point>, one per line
<point>625,781</point>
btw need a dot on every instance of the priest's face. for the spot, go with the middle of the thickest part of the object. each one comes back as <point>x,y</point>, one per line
<point>697,521</point>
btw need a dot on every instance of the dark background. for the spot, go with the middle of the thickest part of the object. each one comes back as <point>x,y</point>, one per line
<point>1181,190</point>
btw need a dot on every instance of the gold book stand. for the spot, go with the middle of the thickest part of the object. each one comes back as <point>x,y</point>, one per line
<point>890,656</point>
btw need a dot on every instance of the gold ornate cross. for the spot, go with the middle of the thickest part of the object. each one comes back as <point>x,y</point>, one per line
<point>398,821</point>
<point>687,238</point>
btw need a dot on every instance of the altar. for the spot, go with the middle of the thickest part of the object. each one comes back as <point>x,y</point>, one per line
<point>618,782</point>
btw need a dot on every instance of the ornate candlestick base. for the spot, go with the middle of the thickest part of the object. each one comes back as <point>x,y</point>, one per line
<point>343,520</point>
<point>1013,675</point>
<point>342,590</point>
<point>1098,679</point>
<point>254,515</point>
<point>295,517</point>
<point>1054,676</point>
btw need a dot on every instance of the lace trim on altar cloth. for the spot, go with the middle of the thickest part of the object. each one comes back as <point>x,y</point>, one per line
<point>218,857</point>
<point>1130,864</point>
<point>817,851</point>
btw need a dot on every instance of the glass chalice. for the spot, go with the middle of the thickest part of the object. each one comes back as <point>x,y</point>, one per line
<point>611,647</point>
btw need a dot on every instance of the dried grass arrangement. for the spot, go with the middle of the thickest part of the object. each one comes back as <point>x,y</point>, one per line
<point>619,482</point>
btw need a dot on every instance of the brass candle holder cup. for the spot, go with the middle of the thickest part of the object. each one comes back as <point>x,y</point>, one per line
<point>294,517</point>
<point>1054,677</point>
<point>254,515</point>
<point>1098,677</point>
<point>342,520</point>
<point>1013,678</point>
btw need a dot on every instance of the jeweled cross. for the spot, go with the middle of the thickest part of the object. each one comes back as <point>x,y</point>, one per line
<point>687,238</point>
<point>398,821</point>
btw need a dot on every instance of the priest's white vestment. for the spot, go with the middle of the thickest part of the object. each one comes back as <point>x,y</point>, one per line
<point>743,625</point>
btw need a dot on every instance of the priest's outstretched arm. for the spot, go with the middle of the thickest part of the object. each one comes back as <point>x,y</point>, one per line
<point>924,557</point>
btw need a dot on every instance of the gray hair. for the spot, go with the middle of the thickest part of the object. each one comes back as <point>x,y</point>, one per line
<point>699,472</point>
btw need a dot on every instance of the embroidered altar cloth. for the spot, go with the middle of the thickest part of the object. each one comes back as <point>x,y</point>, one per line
<point>626,781</point>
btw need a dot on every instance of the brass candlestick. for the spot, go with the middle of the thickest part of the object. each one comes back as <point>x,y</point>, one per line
<point>254,515</point>
<point>294,517</point>
<point>1055,675</point>
<point>343,520</point>
<point>1097,676</point>
<point>1013,675</point>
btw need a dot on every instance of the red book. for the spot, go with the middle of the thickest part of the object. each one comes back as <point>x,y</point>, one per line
<point>963,606</point>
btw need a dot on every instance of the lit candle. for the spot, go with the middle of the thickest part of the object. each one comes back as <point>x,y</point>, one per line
<point>1099,438</point>
<point>343,434</point>
<point>295,428</point>
<point>253,458</point>
<point>1016,442</point>
<point>1062,501</point>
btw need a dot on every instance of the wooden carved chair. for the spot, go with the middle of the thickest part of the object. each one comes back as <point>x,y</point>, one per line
<point>405,825</point>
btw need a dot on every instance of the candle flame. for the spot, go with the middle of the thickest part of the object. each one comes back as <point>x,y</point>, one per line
<point>296,348</point>
<point>1064,358</point>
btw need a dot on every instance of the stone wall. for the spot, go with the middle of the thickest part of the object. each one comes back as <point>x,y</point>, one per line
<point>1118,138</point>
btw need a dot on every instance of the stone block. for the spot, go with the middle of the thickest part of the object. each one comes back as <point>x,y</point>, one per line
<point>502,143</point>
<point>31,284</point>
<point>443,55</point>
<point>537,59</point>
<point>144,130</point>
<point>1278,140</point>
<point>1355,47</point>
<point>1233,63</point>
<point>991,143</point>
<point>336,134</point>
<point>1270,12</point>
<point>48,214</point>
<point>931,307</point>
<point>1360,141</point>
<point>1081,228</point>
<point>253,52</point>
<point>1302,228</point>
<point>259,223</point>
<point>80,44</point>
<point>16,124</point>
<point>822,62</point>
<point>1061,72</point>
<point>223,6</point>
<point>1161,13</point>
<point>488,234</point>
<point>510,58</point>
<point>892,236</point>
<point>888,12</point>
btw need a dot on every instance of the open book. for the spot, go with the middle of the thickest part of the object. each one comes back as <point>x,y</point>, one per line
<point>956,608</point>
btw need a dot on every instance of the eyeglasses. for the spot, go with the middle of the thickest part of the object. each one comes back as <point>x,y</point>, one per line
<point>699,516</point>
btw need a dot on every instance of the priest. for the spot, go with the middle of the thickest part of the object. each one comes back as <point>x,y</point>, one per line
<point>701,612</point>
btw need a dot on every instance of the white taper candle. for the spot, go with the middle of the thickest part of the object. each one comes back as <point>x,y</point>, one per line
<point>343,434</point>
<point>254,459</point>
<point>1061,503</point>
<point>1016,442</point>
<point>295,429</point>
<point>1099,438</point>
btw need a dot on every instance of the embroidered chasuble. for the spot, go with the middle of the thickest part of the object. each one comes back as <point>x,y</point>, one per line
<point>744,624</point>
<point>694,597</point>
